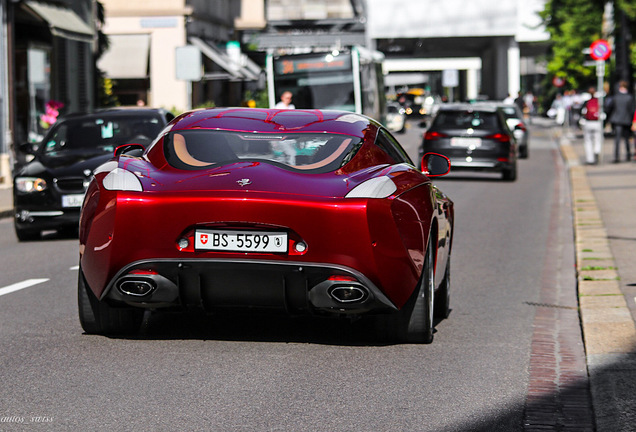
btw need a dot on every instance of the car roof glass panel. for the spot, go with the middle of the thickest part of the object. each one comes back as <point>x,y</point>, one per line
<point>305,152</point>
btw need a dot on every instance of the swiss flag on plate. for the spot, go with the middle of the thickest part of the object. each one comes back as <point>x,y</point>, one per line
<point>204,238</point>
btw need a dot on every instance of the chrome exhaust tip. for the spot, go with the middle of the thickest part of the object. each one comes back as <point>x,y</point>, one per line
<point>348,294</point>
<point>136,287</point>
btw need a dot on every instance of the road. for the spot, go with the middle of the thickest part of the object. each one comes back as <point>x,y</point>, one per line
<point>261,373</point>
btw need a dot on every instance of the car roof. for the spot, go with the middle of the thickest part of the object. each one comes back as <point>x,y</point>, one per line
<point>115,112</point>
<point>277,121</point>
<point>468,107</point>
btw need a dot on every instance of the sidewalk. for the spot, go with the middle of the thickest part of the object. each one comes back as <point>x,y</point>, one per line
<point>604,207</point>
<point>6,202</point>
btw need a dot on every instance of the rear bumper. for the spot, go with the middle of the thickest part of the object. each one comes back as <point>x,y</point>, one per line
<point>216,284</point>
<point>480,165</point>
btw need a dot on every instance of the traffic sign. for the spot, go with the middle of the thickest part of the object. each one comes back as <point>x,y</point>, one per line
<point>600,50</point>
<point>558,81</point>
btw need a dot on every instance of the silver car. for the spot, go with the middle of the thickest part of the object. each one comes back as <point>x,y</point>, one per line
<point>517,124</point>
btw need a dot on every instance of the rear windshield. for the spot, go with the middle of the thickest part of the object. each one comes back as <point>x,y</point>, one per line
<point>466,119</point>
<point>310,152</point>
<point>100,135</point>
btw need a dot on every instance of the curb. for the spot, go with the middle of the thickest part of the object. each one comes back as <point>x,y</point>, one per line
<point>609,331</point>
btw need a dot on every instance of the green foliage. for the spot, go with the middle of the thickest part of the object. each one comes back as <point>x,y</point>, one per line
<point>573,25</point>
<point>206,104</point>
<point>256,99</point>
<point>105,92</point>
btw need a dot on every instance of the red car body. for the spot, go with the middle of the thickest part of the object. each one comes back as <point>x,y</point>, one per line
<point>346,253</point>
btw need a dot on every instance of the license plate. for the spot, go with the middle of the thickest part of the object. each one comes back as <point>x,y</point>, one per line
<point>466,142</point>
<point>240,241</point>
<point>74,200</point>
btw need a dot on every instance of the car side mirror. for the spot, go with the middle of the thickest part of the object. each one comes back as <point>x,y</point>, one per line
<point>435,165</point>
<point>130,150</point>
<point>29,148</point>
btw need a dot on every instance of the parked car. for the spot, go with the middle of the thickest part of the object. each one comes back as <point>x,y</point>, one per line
<point>292,211</point>
<point>517,124</point>
<point>395,117</point>
<point>412,103</point>
<point>474,137</point>
<point>49,190</point>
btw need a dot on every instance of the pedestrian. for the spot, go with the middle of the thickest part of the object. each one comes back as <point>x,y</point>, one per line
<point>520,102</point>
<point>285,101</point>
<point>592,128</point>
<point>622,107</point>
<point>557,109</point>
<point>528,100</point>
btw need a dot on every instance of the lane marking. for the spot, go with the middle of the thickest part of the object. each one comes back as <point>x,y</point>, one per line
<point>21,285</point>
<point>74,268</point>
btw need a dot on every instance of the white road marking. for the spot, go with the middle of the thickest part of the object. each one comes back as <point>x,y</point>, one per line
<point>74,268</point>
<point>20,285</point>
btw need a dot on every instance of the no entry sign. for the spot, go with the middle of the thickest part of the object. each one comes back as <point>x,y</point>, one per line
<point>600,50</point>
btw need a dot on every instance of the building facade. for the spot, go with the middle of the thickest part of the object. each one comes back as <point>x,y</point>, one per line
<point>492,47</point>
<point>146,41</point>
<point>47,58</point>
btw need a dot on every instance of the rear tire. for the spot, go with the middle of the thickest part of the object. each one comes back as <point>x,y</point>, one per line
<point>26,234</point>
<point>442,296</point>
<point>97,317</point>
<point>510,174</point>
<point>414,322</point>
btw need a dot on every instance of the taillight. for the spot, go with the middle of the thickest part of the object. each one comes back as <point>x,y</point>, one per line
<point>499,137</point>
<point>432,135</point>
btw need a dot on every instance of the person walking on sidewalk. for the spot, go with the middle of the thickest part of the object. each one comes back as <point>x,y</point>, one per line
<point>622,107</point>
<point>592,129</point>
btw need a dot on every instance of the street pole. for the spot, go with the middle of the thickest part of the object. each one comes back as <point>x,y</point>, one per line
<point>600,74</point>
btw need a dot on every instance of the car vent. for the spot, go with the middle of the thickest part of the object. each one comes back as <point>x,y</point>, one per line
<point>70,184</point>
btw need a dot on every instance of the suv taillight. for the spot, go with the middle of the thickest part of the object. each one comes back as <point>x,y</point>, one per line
<point>499,137</point>
<point>432,135</point>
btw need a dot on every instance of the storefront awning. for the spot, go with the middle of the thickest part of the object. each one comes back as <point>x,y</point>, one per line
<point>126,57</point>
<point>247,71</point>
<point>62,21</point>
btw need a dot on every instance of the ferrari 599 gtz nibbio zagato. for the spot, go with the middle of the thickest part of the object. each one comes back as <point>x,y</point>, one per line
<point>301,212</point>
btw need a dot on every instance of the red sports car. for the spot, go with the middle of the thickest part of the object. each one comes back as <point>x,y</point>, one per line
<point>300,212</point>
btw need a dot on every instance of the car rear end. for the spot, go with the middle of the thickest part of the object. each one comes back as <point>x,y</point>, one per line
<point>473,138</point>
<point>208,235</point>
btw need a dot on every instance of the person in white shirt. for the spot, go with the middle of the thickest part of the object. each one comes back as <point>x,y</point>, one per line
<point>285,101</point>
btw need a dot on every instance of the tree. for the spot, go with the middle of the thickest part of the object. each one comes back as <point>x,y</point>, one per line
<point>573,25</point>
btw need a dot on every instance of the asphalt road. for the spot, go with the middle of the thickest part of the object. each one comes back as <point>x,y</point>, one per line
<point>260,373</point>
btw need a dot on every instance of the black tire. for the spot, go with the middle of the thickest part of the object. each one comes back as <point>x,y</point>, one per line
<point>26,234</point>
<point>523,153</point>
<point>442,296</point>
<point>414,322</point>
<point>510,174</point>
<point>97,317</point>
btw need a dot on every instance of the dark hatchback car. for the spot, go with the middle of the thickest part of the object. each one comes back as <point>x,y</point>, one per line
<point>49,190</point>
<point>473,137</point>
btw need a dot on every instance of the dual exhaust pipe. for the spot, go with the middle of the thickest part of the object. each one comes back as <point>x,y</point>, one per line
<point>342,290</point>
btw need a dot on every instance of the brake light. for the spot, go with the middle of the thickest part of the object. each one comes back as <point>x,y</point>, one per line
<point>499,137</point>
<point>432,135</point>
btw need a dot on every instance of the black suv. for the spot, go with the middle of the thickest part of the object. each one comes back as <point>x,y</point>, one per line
<point>474,137</point>
<point>49,190</point>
